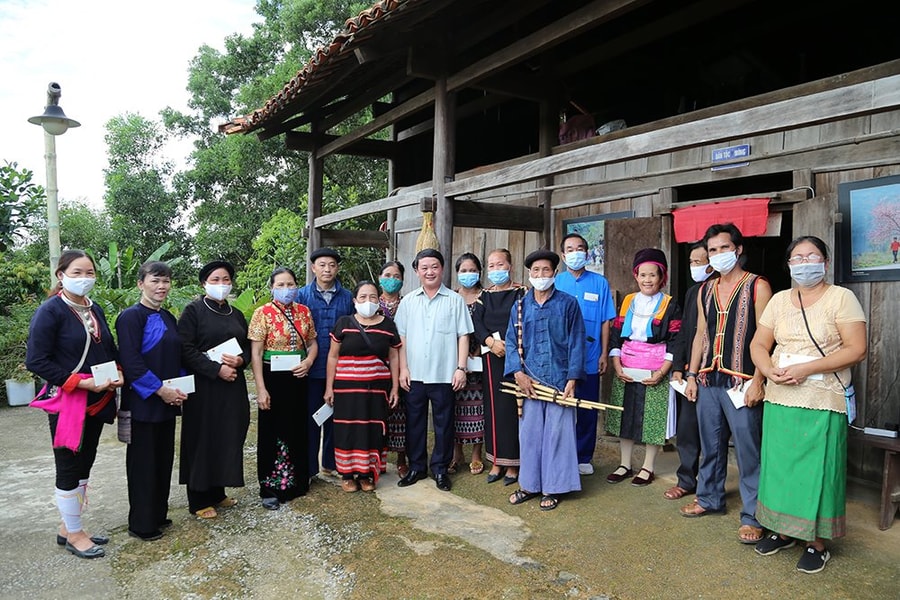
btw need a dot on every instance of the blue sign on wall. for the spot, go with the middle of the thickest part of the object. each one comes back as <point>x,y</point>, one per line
<point>731,153</point>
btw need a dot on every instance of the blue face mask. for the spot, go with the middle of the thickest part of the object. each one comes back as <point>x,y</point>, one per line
<point>498,277</point>
<point>467,280</point>
<point>390,285</point>
<point>284,295</point>
<point>576,260</point>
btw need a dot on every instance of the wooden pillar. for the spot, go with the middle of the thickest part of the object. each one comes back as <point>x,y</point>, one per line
<point>314,204</point>
<point>548,134</point>
<point>443,166</point>
<point>391,221</point>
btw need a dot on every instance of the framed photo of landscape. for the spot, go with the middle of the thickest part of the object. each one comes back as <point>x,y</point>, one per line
<point>868,235</point>
<point>593,229</point>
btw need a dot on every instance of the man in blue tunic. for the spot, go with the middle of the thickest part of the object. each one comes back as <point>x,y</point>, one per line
<point>544,344</point>
<point>327,300</point>
<point>598,309</point>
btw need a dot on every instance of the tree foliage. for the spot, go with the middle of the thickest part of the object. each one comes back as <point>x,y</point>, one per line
<point>21,202</point>
<point>144,213</point>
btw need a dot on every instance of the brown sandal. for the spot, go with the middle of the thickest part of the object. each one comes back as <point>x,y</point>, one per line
<point>748,534</point>
<point>349,485</point>
<point>207,513</point>
<point>366,484</point>
<point>676,493</point>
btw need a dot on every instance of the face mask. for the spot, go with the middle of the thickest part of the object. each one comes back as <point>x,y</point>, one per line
<point>576,260</point>
<point>699,274</point>
<point>723,262</point>
<point>217,291</point>
<point>366,309</point>
<point>79,286</point>
<point>541,284</point>
<point>390,285</point>
<point>808,274</point>
<point>498,277</point>
<point>284,295</point>
<point>467,280</point>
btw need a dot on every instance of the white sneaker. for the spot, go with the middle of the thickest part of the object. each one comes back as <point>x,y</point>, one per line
<point>585,468</point>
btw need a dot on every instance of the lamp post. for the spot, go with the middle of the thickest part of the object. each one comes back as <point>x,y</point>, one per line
<point>55,122</point>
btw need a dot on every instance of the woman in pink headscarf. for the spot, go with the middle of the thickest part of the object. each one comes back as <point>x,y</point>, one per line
<point>642,341</point>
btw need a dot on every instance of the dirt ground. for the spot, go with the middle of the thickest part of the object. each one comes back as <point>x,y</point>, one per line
<point>604,542</point>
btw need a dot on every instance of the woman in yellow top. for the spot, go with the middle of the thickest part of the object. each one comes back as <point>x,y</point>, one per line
<point>819,332</point>
<point>283,347</point>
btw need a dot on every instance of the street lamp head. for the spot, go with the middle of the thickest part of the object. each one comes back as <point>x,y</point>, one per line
<point>54,120</point>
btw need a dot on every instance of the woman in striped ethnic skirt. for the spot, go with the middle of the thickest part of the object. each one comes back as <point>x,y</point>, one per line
<point>361,384</point>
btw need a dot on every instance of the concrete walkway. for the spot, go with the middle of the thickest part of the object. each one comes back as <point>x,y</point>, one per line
<point>416,542</point>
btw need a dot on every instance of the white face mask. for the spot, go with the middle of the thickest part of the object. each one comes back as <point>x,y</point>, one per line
<point>808,274</point>
<point>723,262</point>
<point>217,291</point>
<point>699,274</point>
<point>79,286</point>
<point>366,309</point>
<point>541,284</point>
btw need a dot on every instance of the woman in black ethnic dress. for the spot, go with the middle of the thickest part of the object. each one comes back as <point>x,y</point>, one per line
<point>362,382</point>
<point>490,318</point>
<point>391,281</point>
<point>283,348</point>
<point>216,416</point>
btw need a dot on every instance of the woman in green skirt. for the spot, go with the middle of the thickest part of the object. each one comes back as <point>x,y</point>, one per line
<point>819,332</point>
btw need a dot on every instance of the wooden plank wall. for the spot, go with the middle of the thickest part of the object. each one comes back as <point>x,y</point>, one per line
<point>877,379</point>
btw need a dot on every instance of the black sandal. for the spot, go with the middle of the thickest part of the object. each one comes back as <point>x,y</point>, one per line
<point>520,496</point>
<point>553,500</point>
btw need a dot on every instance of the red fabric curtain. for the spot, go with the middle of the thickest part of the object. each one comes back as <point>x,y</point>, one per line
<point>748,214</point>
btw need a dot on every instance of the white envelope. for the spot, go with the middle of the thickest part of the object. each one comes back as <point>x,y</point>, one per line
<point>679,386</point>
<point>185,384</point>
<point>737,396</point>
<point>787,359</point>
<point>105,371</point>
<point>229,346</point>
<point>284,362</point>
<point>323,414</point>
<point>637,374</point>
<point>474,365</point>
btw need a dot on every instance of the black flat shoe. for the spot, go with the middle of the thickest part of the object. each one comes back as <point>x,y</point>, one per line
<point>147,537</point>
<point>100,540</point>
<point>92,552</point>
<point>443,482</point>
<point>165,523</point>
<point>411,478</point>
<point>509,480</point>
<point>492,477</point>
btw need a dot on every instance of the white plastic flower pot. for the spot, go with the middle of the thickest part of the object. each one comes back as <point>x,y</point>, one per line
<point>19,393</point>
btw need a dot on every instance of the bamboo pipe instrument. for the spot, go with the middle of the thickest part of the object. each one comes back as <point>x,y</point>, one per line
<point>548,394</point>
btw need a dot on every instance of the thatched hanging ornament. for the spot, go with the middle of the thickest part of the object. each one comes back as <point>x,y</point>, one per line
<point>427,238</point>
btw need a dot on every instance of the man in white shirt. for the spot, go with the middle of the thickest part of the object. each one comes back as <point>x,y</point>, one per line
<point>434,325</point>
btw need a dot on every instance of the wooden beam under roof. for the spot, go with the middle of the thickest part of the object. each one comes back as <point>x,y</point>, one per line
<point>573,24</point>
<point>487,215</point>
<point>308,142</point>
<point>354,238</point>
<point>475,106</point>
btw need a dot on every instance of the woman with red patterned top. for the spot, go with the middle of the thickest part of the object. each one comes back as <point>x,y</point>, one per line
<point>283,338</point>
<point>362,382</point>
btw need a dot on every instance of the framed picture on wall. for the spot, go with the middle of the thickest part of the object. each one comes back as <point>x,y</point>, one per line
<point>593,229</point>
<point>868,247</point>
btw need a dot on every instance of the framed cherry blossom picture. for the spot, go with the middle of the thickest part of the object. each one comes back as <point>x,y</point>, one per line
<point>868,235</point>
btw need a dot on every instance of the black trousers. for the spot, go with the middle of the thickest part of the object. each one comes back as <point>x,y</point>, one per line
<point>688,443</point>
<point>148,464</point>
<point>199,499</point>
<point>72,467</point>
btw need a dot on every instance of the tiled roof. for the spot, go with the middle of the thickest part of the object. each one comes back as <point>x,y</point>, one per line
<point>323,62</point>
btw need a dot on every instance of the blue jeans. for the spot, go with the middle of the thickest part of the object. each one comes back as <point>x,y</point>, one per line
<point>718,420</point>
<point>442,399</point>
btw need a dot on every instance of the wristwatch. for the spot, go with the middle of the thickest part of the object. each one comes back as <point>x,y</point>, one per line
<point>690,374</point>
<point>463,369</point>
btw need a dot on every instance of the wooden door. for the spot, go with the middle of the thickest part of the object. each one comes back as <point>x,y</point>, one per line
<point>624,237</point>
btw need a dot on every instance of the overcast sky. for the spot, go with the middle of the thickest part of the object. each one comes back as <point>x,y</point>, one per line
<point>109,57</point>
